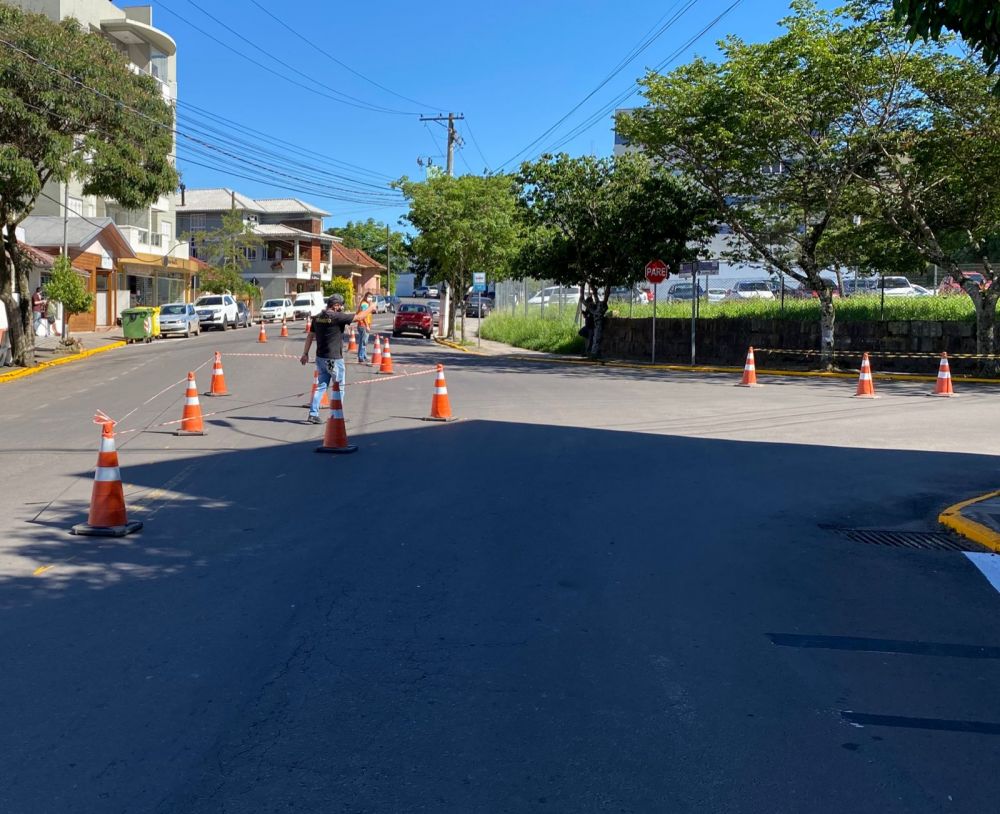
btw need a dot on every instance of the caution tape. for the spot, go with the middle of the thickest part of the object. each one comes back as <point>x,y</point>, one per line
<point>881,354</point>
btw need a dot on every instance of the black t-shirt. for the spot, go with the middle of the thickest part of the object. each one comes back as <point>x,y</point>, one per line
<point>328,328</point>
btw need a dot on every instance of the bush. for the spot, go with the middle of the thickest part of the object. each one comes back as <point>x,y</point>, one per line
<point>342,286</point>
<point>552,334</point>
<point>67,287</point>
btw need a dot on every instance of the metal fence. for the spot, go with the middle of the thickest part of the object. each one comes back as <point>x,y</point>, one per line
<point>531,296</point>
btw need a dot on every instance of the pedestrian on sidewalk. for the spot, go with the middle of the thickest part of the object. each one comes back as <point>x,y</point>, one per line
<point>51,313</point>
<point>327,330</point>
<point>363,319</point>
<point>37,308</point>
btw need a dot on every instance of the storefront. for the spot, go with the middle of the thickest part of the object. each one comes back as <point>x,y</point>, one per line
<point>151,280</point>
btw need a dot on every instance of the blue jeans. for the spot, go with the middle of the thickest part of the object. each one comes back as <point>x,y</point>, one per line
<point>323,366</point>
<point>362,343</point>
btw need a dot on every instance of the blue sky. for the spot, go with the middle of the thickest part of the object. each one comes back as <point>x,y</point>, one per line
<point>513,69</point>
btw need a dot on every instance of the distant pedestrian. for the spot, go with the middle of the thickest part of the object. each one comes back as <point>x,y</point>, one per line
<point>587,331</point>
<point>363,319</point>
<point>327,330</point>
<point>51,313</point>
<point>38,308</point>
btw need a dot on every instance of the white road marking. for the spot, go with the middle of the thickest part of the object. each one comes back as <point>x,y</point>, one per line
<point>989,564</point>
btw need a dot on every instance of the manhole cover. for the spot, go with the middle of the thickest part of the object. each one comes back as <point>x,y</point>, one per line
<point>927,540</point>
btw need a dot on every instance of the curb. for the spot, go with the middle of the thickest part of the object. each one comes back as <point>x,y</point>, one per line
<point>952,518</point>
<point>31,371</point>
<point>813,374</point>
<point>455,346</point>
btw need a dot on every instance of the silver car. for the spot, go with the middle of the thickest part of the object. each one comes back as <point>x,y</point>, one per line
<point>179,318</point>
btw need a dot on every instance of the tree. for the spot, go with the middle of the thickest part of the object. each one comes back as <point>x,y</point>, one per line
<point>68,288</point>
<point>342,286</point>
<point>464,224</point>
<point>598,221</point>
<point>228,248</point>
<point>71,108</point>
<point>777,135</point>
<point>976,21</point>
<point>369,236</point>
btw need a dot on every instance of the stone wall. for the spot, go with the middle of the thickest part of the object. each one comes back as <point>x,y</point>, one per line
<point>725,342</point>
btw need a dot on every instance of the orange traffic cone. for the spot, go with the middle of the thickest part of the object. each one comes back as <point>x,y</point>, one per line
<point>218,387</point>
<point>323,402</point>
<point>352,345</point>
<point>284,328</point>
<point>308,324</point>
<point>440,405</point>
<point>191,423</point>
<point>335,437</point>
<point>377,354</point>
<point>386,365</point>
<point>749,372</point>
<point>866,387</point>
<point>943,386</point>
<point>262,336</point>
<point>107,516</point>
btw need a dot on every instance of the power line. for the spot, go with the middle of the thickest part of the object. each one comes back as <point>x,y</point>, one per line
<point>333,59</point>
<point>605,109</point>
<point>476,143</point>
<point>358,103</point>
<point>636,50</point>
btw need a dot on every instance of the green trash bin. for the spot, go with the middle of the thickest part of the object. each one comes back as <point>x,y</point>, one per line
<point>137,324</point>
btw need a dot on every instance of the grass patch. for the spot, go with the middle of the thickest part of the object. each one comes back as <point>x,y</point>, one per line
<point>850,309</point>
<point>552,334</point>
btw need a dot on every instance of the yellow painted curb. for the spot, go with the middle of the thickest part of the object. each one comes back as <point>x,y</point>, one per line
<point>952,518</point>
<point>814,374</point>
<point>31,371</point>
<point>462,348</point>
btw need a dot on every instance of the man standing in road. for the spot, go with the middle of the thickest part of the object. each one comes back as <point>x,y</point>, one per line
<point>328,330</point>
<point>363,319</point>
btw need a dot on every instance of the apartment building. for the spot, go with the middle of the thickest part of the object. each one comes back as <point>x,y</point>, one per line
<point>295,255</point>
<point>159,269</point>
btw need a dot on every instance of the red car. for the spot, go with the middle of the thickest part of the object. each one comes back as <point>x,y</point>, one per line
<point>413,317</point>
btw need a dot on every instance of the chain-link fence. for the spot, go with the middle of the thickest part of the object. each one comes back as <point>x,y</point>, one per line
<point>541,297</point>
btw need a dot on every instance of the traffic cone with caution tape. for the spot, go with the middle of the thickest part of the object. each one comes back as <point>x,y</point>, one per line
<point>352,344</point>
<point>191,423</point>
<point>335,437</point>
<point>107,516</point>
<point>749,371</point>
<point>440,405</point>
<point>262,336</point>
<point>377,353</point>
<point>218,387</point>
<point>325,400</point>
<point>386,364</point>
<point>943,386</point>
<point>866,386</point>
<point>284,328</point>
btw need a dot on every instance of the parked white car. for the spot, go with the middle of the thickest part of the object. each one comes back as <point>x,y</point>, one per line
<point>716,294</point>
<point>307,304</point>
<point>555,294</point>
<point>920,291</point>
<point>750,290</point>
<point>217,311</point>
<point>895,287</point>
<point>276,310</point>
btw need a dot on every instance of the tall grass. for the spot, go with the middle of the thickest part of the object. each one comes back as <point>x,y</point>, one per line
<point>552,333</point>
<point>852,309</point>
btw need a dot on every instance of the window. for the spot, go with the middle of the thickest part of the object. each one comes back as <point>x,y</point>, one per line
<point>250,252</point>
<point>197,222</point>
<point>158,65</point>
<point>74,206</point>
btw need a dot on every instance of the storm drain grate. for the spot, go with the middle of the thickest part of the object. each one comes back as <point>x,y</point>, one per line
<point>925,540</point>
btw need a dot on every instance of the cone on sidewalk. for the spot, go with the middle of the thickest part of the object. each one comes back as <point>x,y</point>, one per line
<point>386,364</point>
<point>943,386</point>
<point>749,371</point>
<point>335,436</point>
<point>377,354</point>
<point>866,386</point>
<point>352,344</point>
<point>440,405</point>
<point>107,516</point>
<point>325,400</point>
<point>262,336</point>
<point>284,328</point>
<point>191,423</point>
<point>218,387</point>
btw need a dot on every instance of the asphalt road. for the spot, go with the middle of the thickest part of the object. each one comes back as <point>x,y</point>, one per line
<point>599,591</point>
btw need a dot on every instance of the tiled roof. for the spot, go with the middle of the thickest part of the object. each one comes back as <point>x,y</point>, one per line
<point>278,230</point>
<point>44,259</point>
<point>289,206</point>
<point>47,230</point>
<point>343,256</point>
<point>218,199</point>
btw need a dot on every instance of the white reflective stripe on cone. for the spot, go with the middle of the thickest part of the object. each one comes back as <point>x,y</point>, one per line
<point>440,391</point>
<point>107,444</point>
<point>337,414</point>
<point>107,473</point>
<point>191,401</point>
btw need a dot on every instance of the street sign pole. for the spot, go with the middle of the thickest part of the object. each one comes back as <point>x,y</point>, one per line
<point>656,273</point>
<point>653,360</point>
<point>694,310</point>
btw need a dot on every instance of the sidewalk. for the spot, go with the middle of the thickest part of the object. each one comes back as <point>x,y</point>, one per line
<point>49,353</point>
<point>978,519</point>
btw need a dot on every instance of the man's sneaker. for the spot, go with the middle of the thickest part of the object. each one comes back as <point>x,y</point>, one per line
<point>314,419</point>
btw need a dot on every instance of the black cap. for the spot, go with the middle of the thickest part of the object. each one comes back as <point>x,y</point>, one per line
<point>335,299</point>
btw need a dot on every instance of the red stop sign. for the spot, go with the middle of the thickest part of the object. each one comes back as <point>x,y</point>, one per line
<point>656,271</point>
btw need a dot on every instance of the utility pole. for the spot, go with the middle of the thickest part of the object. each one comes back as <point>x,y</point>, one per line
<point>453,136</point>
